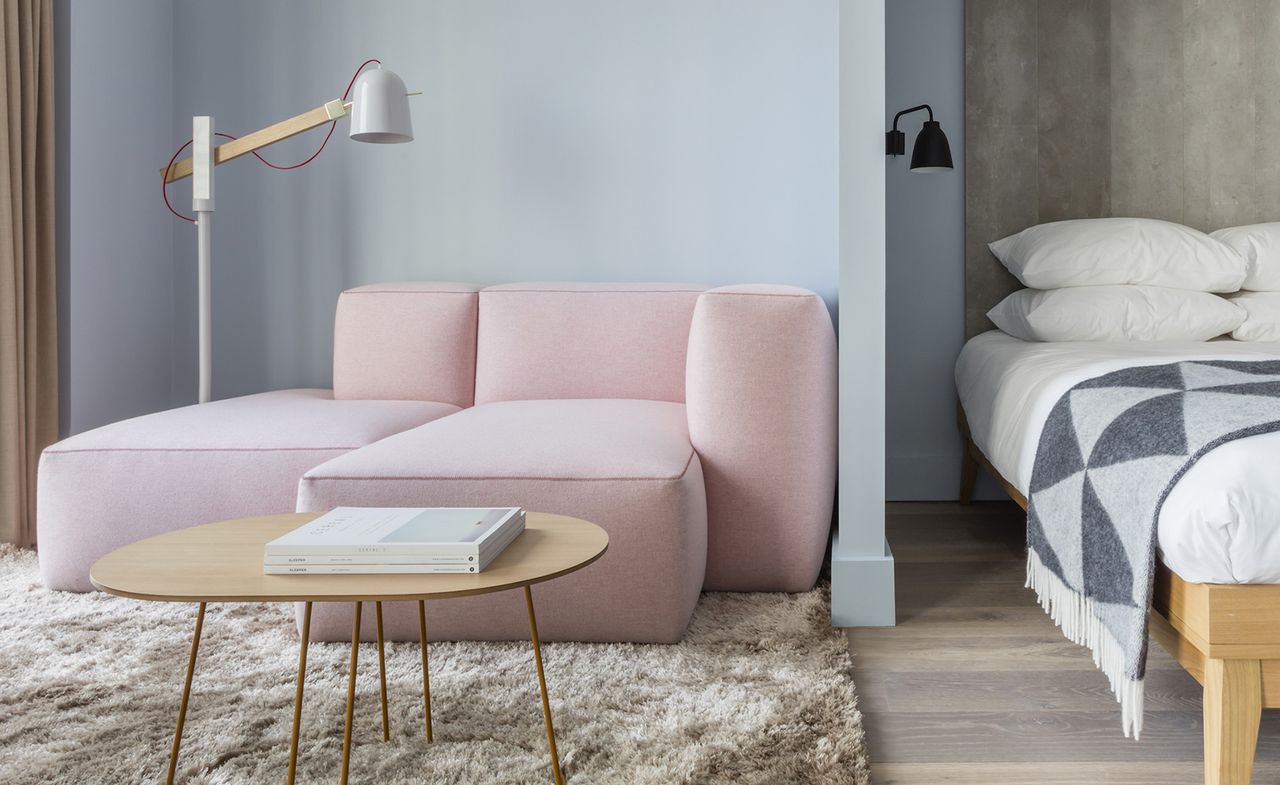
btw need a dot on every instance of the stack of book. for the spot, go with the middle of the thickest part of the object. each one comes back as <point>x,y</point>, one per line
<point>396,539</point>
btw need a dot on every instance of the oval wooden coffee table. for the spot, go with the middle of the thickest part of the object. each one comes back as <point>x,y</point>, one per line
<point>222,562</point>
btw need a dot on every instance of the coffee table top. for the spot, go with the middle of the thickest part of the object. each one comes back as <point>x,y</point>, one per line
<point>222,562</point>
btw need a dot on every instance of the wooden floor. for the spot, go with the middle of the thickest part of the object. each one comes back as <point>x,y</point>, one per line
<point>975,685</point>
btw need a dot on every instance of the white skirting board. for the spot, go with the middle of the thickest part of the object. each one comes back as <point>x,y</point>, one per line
<point>862,593</point>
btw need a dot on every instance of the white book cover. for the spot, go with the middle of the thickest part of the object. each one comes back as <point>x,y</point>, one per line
<point>491,549</point>
<point>405,531</point>
<point>367,569</point>
<point>365,558</point>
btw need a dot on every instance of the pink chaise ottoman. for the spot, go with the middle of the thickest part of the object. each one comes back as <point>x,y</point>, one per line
<point>126,481</point>
<point>243,456</point>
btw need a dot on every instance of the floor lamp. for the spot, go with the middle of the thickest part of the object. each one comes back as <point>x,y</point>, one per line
<point>379,110</point>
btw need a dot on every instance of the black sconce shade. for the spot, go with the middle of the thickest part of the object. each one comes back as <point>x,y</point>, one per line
<point>931,153</point>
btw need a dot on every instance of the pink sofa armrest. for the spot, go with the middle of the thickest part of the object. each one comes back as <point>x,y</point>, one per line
<point>761,401</point>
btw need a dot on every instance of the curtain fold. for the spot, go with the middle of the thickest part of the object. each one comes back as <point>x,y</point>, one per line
<point>28,320</point>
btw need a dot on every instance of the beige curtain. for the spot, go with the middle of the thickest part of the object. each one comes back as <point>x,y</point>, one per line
<point>28,323</point>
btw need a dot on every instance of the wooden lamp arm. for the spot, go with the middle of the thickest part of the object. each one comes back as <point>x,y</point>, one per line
<point>248,143</point>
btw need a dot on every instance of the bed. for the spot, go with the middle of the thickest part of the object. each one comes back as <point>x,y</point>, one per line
<point>1216,600</point>
<point>1076,111</point>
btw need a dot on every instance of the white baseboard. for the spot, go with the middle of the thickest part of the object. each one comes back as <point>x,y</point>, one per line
<point>862,592</point>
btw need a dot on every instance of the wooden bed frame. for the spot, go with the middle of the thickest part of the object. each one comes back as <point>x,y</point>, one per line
<point>1225,635</point>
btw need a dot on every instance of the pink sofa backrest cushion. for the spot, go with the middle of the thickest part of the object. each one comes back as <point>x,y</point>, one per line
<point>576,340</point>
<point>406,341</point>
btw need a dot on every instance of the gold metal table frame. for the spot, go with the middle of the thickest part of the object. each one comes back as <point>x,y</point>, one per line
<point>221,562</point>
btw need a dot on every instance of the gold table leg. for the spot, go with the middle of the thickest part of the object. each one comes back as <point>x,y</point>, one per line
<point>382,672</point>
<point>186,696</point>
<point>542,685</point>
<point>297,695</point>
<point>351,696</point>
<point>426,680</point>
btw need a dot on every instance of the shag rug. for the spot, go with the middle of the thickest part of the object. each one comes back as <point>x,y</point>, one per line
<point>759,691</point>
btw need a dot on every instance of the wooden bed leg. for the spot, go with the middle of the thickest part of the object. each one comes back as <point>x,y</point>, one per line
<point>968,473</point>
<point>969,464</point>
<point>1232,711</point>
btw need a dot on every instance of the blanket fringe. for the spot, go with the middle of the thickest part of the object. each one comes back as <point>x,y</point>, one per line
<point>1073,613</point>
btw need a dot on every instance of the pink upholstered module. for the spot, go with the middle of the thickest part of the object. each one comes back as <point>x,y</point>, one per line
<point>623,464</point>
<point>575,340</point>
<point>227,459</point>
<point>762,415</point>
<point>406,341</point>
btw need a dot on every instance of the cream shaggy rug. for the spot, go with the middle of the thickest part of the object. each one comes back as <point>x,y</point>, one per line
<point>759,691</point>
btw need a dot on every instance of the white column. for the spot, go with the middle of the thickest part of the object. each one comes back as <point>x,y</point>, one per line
<point>862,565</point>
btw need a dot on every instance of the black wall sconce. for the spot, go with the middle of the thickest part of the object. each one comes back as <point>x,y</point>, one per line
<point>931,153</point>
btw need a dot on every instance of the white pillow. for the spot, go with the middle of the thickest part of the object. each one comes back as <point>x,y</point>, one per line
<point>1262,316</point>
<point>1259,244</point>
<point>1107,251</point>
<point>1115,313</point>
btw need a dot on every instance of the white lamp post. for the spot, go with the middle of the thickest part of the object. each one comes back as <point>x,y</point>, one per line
<point>379,109</point>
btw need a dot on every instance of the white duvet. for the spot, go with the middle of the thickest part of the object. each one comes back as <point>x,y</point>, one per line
<point>1220,523</point>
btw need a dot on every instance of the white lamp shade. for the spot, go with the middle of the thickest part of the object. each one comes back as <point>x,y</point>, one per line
<point>380,108</point>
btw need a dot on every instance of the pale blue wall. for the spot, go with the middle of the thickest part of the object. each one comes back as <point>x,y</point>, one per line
<point>925,253</point>
<point>558,139</point>
<point>115,243</point>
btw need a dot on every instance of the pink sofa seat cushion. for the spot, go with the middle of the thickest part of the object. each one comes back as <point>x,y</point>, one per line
<point>228,459</point>
<point>625,465</point>
<point>578,340</point>
<point>406,341</point>
<point>561,440</point>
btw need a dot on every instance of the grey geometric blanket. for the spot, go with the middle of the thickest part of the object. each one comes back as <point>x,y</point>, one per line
<point>1110,452</point>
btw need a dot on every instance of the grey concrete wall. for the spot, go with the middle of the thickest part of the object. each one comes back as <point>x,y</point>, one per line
<point>565,139</point>
<point>1146,108</point>
<point>1001,142</point>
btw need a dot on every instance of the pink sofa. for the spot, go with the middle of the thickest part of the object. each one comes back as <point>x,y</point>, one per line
<point>697,426</point>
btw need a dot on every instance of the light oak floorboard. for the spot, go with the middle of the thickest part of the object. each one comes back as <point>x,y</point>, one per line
<point>924,691</point>
<point>1010,736</point>
<point>977,685</point>
<point>1054,773</point>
